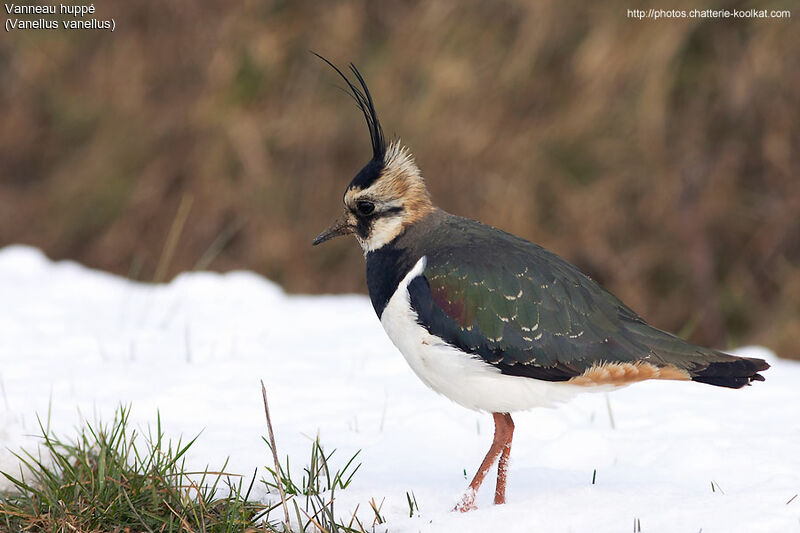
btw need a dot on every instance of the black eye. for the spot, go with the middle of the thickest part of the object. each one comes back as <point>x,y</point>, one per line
<point>365,207</point>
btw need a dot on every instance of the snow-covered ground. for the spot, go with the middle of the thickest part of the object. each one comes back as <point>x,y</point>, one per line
<point>80,342</point>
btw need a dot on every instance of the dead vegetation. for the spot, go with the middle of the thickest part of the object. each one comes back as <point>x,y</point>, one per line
<point>661,157</point>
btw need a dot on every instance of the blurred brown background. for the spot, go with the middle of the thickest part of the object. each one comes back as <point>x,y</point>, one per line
<point>659,156</point>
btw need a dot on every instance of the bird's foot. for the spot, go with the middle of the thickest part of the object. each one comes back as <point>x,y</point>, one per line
<point>465,507</point>
<point>467,502</point>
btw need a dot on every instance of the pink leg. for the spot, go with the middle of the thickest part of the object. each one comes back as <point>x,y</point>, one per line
<point>501,446</point>
<point>502,466</point>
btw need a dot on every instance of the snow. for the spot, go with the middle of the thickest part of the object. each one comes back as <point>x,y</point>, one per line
<point>78,342</point>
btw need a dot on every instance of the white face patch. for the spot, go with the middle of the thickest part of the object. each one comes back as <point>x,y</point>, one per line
<point>383,230</point>
<point>387,222</point>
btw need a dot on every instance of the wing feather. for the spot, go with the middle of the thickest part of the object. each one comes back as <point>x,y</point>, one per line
<point>532,313</point>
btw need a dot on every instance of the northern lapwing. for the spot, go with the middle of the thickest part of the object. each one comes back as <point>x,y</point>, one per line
<point>490,320</point>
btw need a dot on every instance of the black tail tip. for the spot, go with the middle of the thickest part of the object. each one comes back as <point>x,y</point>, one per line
<point>734,374</point>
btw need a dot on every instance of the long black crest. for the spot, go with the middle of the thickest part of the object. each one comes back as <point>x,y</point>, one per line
<point>364,100</point>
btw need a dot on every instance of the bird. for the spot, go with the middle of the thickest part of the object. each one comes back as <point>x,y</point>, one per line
<point>491,321</point>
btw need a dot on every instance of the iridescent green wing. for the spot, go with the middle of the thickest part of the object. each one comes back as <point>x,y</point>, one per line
<point>530,313</point>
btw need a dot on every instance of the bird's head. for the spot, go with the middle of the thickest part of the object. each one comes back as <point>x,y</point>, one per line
<point>388,194</point>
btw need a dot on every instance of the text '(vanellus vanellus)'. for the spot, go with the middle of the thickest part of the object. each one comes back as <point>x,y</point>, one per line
<point>492,321</point>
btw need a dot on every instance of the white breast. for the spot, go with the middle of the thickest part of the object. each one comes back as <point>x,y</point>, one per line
<point>464,378</point>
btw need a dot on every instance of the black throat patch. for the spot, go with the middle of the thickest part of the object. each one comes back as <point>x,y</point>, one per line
<point>386,268</point>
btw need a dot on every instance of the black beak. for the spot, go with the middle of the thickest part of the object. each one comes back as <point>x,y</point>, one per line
<point>340,227</point>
